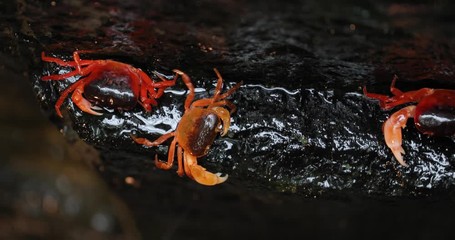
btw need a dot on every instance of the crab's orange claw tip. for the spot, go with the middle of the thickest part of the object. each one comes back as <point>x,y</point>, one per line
<point>96,108</point>
<point>90,111</point>
<point>215,179</point>
<point>398,153</point>
<point>133,137</point>
<point>221,179</point>
<point>178,72</point>
<point>204,177</point>
<point>58,112</point>
<point>95,113</point>
<point>86,106</point>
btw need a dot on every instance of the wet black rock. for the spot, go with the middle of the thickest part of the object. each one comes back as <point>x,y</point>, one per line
<point>302,125</point>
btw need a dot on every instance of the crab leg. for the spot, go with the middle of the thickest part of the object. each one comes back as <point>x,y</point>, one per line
<point>78,60</point>
<point>200,174</point>
<point>162,165</point>
<point>186,79</point>
<point>158,141</point>
<point>219,86</point>
<point>83,72</point>
<point>180,171</point>
<point>392,131</point>
<point>395,91</point>
<point>148,93</point>
<point>399,97</point>
<point>230,91</point>
<point>207,102</point>
<point>63,96</point>
<point>65,63</point>
<point>61,76</point>
<point>144,100</point>
<point>71,88</point>
<point>149,82</point>
<point>163,85</point>
<point>170,157</point>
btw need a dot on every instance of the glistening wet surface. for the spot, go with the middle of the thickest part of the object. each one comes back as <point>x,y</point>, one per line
<point>305,149</point>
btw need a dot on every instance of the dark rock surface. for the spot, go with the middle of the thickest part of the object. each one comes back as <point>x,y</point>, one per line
<point>303,127</point>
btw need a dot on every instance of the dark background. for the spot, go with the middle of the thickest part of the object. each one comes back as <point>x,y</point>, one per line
<point>325,174</point>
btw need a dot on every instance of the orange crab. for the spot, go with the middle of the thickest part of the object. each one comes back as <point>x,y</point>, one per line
<point>107,83</point>
<point>434,114</point>
<point>202,121</point>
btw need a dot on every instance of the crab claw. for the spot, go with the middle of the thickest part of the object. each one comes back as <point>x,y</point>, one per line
<point>392,131</point>
<point>204,177</point>
<point>83,103</point>
<point>200,174</point>
<point>225,117</point>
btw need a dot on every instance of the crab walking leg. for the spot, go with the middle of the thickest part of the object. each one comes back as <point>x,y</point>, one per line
<point>207,102</point>
<point>64,63</point>
<point>230,91</point>
<point>149,82</point>
<point>161,87</point>
<point>168,83</point>
<point>63,96</point>
<point>219,86</point>
<point>83,72</point>
<point>158,141</point>
<point>61,77</point>
<point>144,99</point>
<point>395,91</point>
<point>382,98</point>
<point>199,174</point>
<point>392,131</point>
<point>170,157</point>
<point>186,79</point>
<point>387,102</point>
<point>180,171</point>
<point>79,62</point>
<point>146,102</point>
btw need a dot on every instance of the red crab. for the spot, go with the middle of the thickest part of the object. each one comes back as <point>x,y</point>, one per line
<point>107,83</point>
<point>202,121</point>
<point>434,114</point>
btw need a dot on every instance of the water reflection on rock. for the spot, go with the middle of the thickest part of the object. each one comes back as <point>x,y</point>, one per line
<point>302,126</point>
